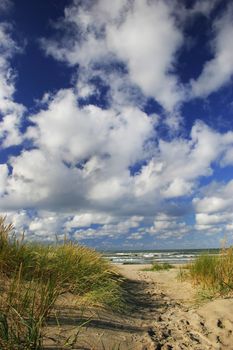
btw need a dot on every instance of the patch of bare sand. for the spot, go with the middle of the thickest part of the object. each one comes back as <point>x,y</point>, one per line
<point>162,315</point>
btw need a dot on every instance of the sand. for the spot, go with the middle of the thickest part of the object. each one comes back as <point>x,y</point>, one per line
<point>164,314</point>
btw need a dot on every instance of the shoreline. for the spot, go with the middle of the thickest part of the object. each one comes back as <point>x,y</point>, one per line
<point>164,315</point>
<point>175,256</point>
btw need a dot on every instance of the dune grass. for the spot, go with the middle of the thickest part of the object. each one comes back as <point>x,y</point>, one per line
<point>32,278</point>
<point>213,273</point>
<point>160,267</point>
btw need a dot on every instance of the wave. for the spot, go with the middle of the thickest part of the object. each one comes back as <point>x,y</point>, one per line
<point>148,257</point>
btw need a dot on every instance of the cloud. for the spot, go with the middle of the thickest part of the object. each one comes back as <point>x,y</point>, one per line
<point>214,208</point>
<point>88,219</point>
<point>179,163</point>
<point>43,226</point>
<point>3,177</point>
<point>81,155</point>
<point>218,71</point>
<point>10,111</point>
<point>5,6</point>
<point>83,132</point>
<point>39,180</point>
<point>49,226</point>
<point>141,35</point>
<point>206,219</point>
<point>118,227</point>
<point>166,227</point>
<point>78,172</point>
<point>149,50</point>
<point>219,199</point>
<point>203,7</point>
<point>81,158</point>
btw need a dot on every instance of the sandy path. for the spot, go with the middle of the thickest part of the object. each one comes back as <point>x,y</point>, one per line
<point>162,316</point>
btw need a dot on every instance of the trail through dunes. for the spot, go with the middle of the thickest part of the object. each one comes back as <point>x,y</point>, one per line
<point>162,315</point>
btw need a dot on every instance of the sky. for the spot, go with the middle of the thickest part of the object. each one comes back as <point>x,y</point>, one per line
<point>116,125</point>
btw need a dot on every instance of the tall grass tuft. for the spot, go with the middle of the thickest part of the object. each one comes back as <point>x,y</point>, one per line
<point>35,275</point>
<point>23,310</point>
<point>214,273</point>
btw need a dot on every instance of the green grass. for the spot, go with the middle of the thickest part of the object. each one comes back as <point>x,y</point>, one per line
<point>212,273</point>
<point>35,275</point>
<point>183,273</point>
<point>23,309</point>
<point>160,267</point>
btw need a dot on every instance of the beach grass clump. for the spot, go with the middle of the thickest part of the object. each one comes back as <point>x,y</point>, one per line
<point>74,268</point>
<point>23,310</point>
<point>213,272</point>
<point>204,270</point>
<point>32,278</point>
<point>160,266</point>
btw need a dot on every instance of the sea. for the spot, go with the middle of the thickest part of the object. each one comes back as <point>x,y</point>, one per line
<point>178,256</point>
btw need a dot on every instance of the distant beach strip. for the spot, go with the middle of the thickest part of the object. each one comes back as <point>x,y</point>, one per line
<point>160,256</point>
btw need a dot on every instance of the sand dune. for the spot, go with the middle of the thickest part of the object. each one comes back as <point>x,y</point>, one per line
<point>163,315</point>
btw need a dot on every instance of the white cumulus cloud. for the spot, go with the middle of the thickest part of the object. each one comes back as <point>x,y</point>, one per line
<point>143,35</point>
<point>10,111</point>
<point>218,71</point>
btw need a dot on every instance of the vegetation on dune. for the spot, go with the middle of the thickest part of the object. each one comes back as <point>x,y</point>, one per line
<point>33,276</point>
<point>213,273</point>
<point>160,267</point>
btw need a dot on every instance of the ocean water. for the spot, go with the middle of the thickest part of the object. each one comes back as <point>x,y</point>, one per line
<point>161,256</point>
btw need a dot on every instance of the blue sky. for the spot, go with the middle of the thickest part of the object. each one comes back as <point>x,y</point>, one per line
<point>116,121</point>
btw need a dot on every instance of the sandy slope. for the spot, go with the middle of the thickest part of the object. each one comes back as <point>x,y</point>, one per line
<point>163,316</point>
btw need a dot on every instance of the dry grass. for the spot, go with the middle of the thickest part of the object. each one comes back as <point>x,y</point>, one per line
<point>213,273</point>
<point>35,275</point>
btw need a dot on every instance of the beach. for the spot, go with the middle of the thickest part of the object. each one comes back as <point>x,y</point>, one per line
<point>164,314</point>
<point>116,175</point>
